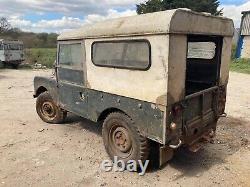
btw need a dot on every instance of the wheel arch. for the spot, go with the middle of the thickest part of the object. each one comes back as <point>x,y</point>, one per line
<point>43,84</point>
<point>40,90</point>
<point>104,114</point>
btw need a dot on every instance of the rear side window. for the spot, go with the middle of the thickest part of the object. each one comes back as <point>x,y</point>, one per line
<point>201,50</point>
<point>133,54</point>
<point>13,46</point>
<point>70,55</point>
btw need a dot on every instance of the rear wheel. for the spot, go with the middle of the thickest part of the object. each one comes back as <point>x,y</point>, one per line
<point>47,109</point>
<point>122,139</point>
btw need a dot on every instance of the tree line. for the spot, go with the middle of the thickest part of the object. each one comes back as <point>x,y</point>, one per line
<point>210,6</point>
<point>30,39</point>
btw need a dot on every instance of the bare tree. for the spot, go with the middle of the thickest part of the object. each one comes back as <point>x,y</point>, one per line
<point>4,25</point>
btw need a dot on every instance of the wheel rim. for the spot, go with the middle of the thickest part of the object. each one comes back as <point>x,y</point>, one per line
<point>48,110</point>
<point>120,141</point>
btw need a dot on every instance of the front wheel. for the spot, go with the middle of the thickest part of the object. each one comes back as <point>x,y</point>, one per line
<point>122,139</point>
<point>47,109</point>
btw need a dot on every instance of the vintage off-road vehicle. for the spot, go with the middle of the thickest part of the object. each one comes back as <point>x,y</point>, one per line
<point>158,77</point>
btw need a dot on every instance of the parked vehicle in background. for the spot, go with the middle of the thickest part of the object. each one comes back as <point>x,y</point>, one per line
<point>11,52</point>
<point>159,77</point>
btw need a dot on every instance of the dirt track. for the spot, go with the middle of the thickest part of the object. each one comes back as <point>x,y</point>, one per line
<point>35,153</point>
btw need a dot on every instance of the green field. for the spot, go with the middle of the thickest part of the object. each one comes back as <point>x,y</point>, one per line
<point>44,56</point>
<point>240,65</point>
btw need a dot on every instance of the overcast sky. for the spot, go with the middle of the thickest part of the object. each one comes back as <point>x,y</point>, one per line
<point>60,15</point>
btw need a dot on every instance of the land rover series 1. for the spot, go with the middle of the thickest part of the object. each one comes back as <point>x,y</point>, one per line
<point>159,77</point>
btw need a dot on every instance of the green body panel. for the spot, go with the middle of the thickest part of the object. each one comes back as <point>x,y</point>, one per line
<point>200,110</point>
<point>70,75</point>
<point>50,84</point>
<point>146,116</point>
<point>91,104</point>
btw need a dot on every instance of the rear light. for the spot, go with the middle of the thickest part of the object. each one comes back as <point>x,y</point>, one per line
<point>173,126</point>
<point>176,118</point>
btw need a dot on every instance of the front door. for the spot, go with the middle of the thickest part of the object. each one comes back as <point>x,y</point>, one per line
<point>70,76</point>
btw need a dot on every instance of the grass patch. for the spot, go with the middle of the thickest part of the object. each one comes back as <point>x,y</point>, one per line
<point>44,56</point>
<point>240,65</point>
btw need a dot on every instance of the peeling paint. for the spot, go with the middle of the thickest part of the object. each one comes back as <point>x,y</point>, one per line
<point>162,100</point>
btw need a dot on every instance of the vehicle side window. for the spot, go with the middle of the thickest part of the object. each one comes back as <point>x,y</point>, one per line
<point>13,46</point>
<point>71,55</point>
<point>6,47</point>
<point>134,54</point>
<point>201,50</point>
<point>1,46</point>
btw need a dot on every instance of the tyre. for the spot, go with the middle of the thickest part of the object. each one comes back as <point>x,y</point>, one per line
<point>47,109</point>
<point>122,139</point>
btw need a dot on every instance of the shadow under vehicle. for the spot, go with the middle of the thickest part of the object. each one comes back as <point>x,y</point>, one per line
<point>158,77</point>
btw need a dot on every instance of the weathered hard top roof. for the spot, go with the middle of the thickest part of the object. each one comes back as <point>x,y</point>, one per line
<point>179,21</point>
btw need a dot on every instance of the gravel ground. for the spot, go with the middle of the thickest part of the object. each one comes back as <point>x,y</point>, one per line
<point>35,153</point>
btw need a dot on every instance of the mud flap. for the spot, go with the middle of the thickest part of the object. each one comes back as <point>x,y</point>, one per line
<point>165,154</point>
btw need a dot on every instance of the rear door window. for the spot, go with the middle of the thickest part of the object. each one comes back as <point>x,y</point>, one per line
<point>201,50</point>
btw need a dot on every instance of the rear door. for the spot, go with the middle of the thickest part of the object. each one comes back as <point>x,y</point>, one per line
<point>70,76</point>
<point>202,81</point>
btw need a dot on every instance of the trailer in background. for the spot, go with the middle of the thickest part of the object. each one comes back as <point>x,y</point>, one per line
<point>11,52</point>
